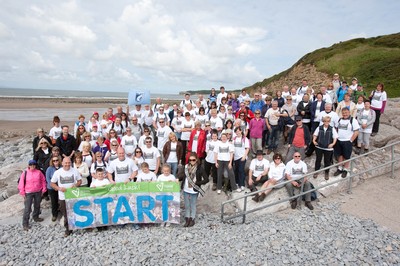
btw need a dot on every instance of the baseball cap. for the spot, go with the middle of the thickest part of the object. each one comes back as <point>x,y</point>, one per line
<point>32,162</point>
<point>298,117</point>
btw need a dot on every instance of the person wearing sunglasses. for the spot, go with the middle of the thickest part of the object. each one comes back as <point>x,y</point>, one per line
<point>294,172</point>
<point>151,155</point>
<point>276,175</point>
<point>55,164</point>
<point>195,176</point>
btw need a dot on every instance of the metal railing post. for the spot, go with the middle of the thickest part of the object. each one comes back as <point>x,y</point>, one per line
<point>351,176</point>
<point>244,210</point>
<point>392,159</point>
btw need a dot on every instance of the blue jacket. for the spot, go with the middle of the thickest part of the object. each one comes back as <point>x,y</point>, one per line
<point>49,174</point>
<point>256,105</point>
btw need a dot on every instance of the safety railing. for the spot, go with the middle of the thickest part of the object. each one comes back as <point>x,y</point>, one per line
<point>349,178</point>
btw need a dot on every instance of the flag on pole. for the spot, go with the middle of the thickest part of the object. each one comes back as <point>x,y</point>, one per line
<point>136,97</point>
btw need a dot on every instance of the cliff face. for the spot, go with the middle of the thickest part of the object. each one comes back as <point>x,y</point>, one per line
<point>294,77</point>
<point>371,60</point>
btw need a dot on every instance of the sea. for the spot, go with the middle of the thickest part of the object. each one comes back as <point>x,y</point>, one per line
<point>46,114</point>
<point>40,93</point>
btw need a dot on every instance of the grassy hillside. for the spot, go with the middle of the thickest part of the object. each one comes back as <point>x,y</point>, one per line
<point>371,60</point>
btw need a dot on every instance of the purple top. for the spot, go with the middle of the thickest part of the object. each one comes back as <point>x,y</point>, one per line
<point>256,128</point>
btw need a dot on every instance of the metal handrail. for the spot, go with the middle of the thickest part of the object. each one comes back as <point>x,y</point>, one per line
<point>350,177</point>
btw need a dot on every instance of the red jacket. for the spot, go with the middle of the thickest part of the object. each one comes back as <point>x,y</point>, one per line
<point>247,113</point>
<point>201,144</point>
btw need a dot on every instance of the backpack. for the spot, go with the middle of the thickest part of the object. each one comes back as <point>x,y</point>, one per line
<point>122,126</point>
<point>25,172</point>
<point>284,120</point>
<point>313,194</point>
<point>351,122</point>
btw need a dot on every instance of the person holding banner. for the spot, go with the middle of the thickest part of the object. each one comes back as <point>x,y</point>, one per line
<point>63,178</point>
<point>124,168</point>
<point>195,176</point>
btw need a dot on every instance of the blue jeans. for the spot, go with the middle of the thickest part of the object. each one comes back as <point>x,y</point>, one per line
<point>174,168</point>
<point>238,169</point>
<point>190,204</point>
<point>273,137</point>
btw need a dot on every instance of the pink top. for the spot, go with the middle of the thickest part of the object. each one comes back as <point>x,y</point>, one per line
<point>256,128</point>
<point>35,182</point>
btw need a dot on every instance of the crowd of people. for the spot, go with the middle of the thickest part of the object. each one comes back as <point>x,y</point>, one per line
<point>197,139</point>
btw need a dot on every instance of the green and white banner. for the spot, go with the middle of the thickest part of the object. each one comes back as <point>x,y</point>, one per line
<point>143,202</point>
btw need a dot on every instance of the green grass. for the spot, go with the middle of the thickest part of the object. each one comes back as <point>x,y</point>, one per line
<point>371,60</point>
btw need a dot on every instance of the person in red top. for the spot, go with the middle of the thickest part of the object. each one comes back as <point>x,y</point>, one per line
<point>247,112</point>
<point>32,185</point>
<point>299,138</point>
<point>197,141</point>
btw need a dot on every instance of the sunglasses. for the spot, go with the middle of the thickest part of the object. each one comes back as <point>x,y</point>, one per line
<point>278,158</point>
<point>114,145</point>
<point>148,141</point>
<point>298,120</point>
<point>138,151</point>
<point>257,113</point>
<point>55,161</point>
<point>161,122</point>
<point>192,160</point>
<point>297,156</point>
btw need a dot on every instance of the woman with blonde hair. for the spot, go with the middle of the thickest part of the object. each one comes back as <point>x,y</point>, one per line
<point>82,167</point>
<point>172,152</point>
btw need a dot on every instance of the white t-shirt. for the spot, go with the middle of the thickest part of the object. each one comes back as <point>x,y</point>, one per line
<point>177,123</point>
<point>258,167</point>
<point>210,149</point>
<point>163,136</point>
<point>346,130</point>
<point>220,96</point>
<point>216,122</point>
<point>138,114</point>
<point>142,141</point>
<point>378,99</point>
<point>202,119</point>
<point>122,169</point>
<point>65,179</point>
<point>240,145</point>
<point>163,178</point>
<point>172,158</point>
<point>195,141</point>
<point>364,115</point>
<point>276,171</point>
<point>150,156</point>
<point>317,111</point>
<point>129,143</point>
<point>296,170</point>
<point>224,151</point>
<point>272,116</point>
<point>333,115</point>
<point>55,132</point>
<point>146,177</point>
<point>100,183</point>
<point>187,124</point>
<point>97,165</point>
<point>118,129</point>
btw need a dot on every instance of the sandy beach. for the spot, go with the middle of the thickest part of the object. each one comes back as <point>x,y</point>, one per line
<point>22,116</point>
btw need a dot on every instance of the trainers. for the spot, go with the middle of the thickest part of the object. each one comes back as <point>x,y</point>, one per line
<point>38,220</point>
<point>262,197</point>
<point>293,204</point>
<point>373,134</point>
<point>238,190</point>
<point>344,174</point>
<point>326,176</point>
<point>54,218</point>
<point>67,233</point>
<point>214,187</point>
<point>315,175</point>
<point>218,191</point>
<point>242,188</point>
<point>338,172</point>
<point>309,205</point>
<point>26,227</point>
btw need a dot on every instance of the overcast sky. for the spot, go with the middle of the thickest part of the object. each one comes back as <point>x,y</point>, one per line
<point>170,46</point>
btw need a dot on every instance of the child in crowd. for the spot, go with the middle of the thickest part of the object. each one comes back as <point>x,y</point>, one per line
<point>166,174</point>
<point>100,181</point>
<point>146,175</point>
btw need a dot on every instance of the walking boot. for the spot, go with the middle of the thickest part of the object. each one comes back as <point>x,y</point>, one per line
<point>187,222</point>
<point>191,223</point>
